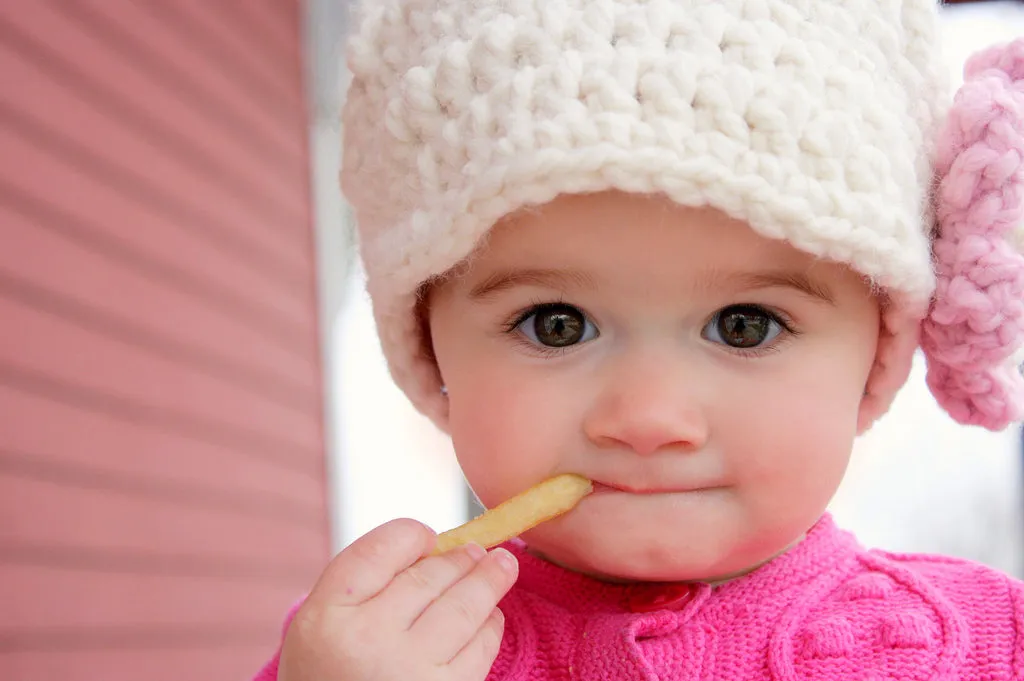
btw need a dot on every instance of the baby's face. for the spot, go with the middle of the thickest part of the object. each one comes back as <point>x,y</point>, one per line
<point>707,379</point>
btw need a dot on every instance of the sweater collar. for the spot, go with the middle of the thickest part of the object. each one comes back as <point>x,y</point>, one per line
<point>825,548</point>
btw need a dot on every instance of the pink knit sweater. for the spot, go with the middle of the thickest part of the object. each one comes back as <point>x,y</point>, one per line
<point>826,610</point>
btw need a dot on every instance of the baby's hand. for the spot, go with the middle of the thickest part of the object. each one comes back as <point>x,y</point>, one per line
<point>384,611</point>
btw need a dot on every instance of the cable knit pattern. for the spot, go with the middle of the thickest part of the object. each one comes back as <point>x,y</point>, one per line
<point>977,321</point>
<point>827,610</point>
<point>812,121</point>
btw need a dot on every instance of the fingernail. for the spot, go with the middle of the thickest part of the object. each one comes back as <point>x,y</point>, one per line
<point>507,561</point>
<point>475,551</point>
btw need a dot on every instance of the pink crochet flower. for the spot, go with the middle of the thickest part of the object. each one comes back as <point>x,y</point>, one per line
<point>976,321</point>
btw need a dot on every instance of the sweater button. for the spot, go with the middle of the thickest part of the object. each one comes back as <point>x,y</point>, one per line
<point>660,597</point>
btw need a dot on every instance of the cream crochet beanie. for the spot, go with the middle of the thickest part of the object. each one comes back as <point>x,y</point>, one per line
<point>815,121</point>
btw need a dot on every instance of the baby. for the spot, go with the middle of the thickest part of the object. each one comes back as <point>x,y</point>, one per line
<point>687,250</point>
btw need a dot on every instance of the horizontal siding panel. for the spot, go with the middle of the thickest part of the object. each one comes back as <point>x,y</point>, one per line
<point>256,120</point>
<point>102,65</point>
<point>64,435</point>
<point>59,100</point>
<point>162,491</point>
<point>57,390</point>
<point>282,570</point>
<point>40,513</point>
<point>203,495</point>
<point>282,18</point>
<point>223,33</point>
<point>65,261</point>
<point>47,344</point>
<point>52,598</point>
<point>234,661</point>
<point>272,26</point>
<point>286,301</point>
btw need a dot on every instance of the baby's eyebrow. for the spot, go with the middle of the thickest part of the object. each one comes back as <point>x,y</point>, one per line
<point>507,279</point>
<point>780,279</point>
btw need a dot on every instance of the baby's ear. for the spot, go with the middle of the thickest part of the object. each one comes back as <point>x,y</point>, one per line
<point>898,336</point>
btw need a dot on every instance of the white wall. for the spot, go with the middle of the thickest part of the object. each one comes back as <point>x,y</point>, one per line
<point>384,460</point>
<point>919,482</point>
<point>323,27</point>
<point>396,463</point>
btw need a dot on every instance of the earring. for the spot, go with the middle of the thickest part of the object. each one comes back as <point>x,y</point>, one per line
<point>444,390</point>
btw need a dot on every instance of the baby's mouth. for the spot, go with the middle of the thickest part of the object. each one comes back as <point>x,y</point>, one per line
<point>611,487</point>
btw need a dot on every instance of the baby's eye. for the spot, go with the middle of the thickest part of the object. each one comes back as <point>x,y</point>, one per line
<point>743,327</point>
<point>557,326</point>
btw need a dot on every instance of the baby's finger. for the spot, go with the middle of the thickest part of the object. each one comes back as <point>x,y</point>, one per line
<point>457,615</point>
<point>412,591</point>
<point>475,659</point>
<point>364,568</point>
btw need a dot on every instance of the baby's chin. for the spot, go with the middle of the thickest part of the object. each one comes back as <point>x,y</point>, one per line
<point>651,559</point>
<point>639,563</point>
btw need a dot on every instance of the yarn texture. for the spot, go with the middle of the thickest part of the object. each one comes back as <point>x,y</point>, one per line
<point>976,324</point>
<point>812,121</point>
<point>827,610</point>
<point>820,123</point>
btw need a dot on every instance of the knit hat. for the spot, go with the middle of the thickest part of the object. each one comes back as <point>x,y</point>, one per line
<point>815,121</point>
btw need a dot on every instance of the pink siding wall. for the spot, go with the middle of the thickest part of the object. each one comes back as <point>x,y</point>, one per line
<point>162,494</point>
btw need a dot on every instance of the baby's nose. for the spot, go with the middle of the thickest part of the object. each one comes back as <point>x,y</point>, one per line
<point>647,412</point>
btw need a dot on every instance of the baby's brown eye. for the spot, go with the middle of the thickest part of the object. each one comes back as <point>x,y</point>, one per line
<point>557,326</point>
<point>742,327</point>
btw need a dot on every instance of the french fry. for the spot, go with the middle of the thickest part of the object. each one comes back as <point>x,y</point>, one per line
<point>542,502</point>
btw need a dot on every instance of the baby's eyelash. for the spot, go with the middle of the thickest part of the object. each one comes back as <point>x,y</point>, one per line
<point>542,350</point>
<point>511,328</point>
<point>789,332</point>
<point>777,316</point>
<point>533,308</point>
<point>763,350</point>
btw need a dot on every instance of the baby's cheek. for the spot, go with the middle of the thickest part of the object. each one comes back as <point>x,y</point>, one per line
<point>816,461</point>
<point>803,448</point>
<point>498,446</point>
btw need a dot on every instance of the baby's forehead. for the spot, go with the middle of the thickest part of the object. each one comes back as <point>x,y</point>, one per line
<point>614,225</point>
<point>635,245</point>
